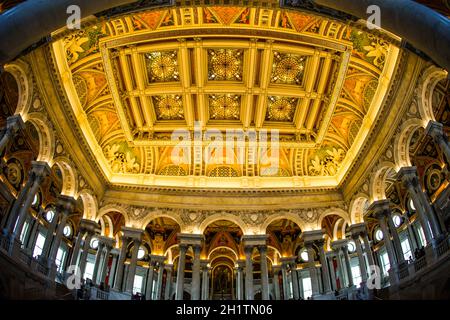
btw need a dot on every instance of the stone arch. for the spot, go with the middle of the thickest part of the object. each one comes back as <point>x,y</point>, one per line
<point>162,214</point>
<point>224,247</point>
<point>69,176</point>
<point>282,215</point>
<point>110,234</point>
<point>223,216</point>
<point>277,254</point>
<point>403,141</point>
<point>333,211</point>
<point>431,76</point>
<point>46,137</point>
<point>378,181</point>
<point>357,208</point>
<point>338,225</point>
<point>113,208</point>
<point>90,204</point>
<point>20,71</point>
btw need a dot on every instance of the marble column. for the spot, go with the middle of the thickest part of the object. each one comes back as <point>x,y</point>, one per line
<point>14,124</point>
<point>286,290</point>
<point>249,293</point>
<point>159,280</point>
<point>359,252</point>
<point>332,271</point>
<point>39,171</point>
<point>324,266</point>
<point>380,212</point>
<point>98,258</point>
<point>340,267</point>
<point>240,280</point>
<point>344,249</point>
<point>84,254</point>
<point>409,177</point>
<point>395,238</point>
<point>150,275</point>
<point>65,206</point>
<point>195,286</point>
<point>77,247</point>
<point>114,265</point>
<point>436,131</point>
<point>50,236</point>
<point>367,248</point>
<point>312,269</point>
<point>205,280</point>
<point>295,289</point>
<point>105,258</point>
<point>276,284</point>
<point>168,289</point>
<point>121,263</point>
<point>264,273</point>
<point>133,264</point>
<point>180,272</point>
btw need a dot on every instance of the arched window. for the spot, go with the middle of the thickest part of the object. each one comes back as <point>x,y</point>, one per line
<point>304,255</point>
<point>67,231</point>
<point>397,220</point>
<point>351,247</point>
<point>378,234</point>
<point>94,243</point>
<point>141,253</point>
<point>49,215</point>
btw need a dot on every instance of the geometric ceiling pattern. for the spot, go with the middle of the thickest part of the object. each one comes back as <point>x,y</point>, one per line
<point>158,89</point>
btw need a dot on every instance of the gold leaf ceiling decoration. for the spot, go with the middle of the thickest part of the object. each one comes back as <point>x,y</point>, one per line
<point>308,81</point>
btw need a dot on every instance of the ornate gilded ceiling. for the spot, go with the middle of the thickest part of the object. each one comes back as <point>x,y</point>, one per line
<point>286,85</point>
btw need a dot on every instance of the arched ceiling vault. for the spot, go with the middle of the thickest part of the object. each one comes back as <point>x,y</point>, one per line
<point>156,91</point>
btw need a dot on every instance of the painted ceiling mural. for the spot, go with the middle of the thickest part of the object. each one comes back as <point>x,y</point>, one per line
<point>142,77</point>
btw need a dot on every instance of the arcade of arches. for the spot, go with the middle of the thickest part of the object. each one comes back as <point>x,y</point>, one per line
<point>351,183</point>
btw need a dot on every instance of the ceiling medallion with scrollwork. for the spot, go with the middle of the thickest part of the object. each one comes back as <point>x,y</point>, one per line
<point>225,64</point>
<point>224,107</point>
<point>162,66</point>
<point>168,107</point>
<point>288,68</point>
<point>281,109</point>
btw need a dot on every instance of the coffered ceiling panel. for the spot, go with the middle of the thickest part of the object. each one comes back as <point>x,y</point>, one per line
<point>296,93</point>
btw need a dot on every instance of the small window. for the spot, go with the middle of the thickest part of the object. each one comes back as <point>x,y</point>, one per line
<point>35,202</point>
<point>89,271</point>
<point>137,285</point>
<point>411,205</point>
<point>49,215</point>
<point>307,288</point>
<point>141,253</point>
<point>406,248</point>
<point>397,220</point>
<point>23,235</point>
<point>39,245</point>
<point>304,255</point>
<point>60,258</point>
<point>94,243</point>
<point>351,247</point>
<point>379,235</point>
<point>385,263</point>
<point>67,231</point>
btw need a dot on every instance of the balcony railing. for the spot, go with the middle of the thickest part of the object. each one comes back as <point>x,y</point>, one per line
<point>420,263</point>
<point>441,248</point>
